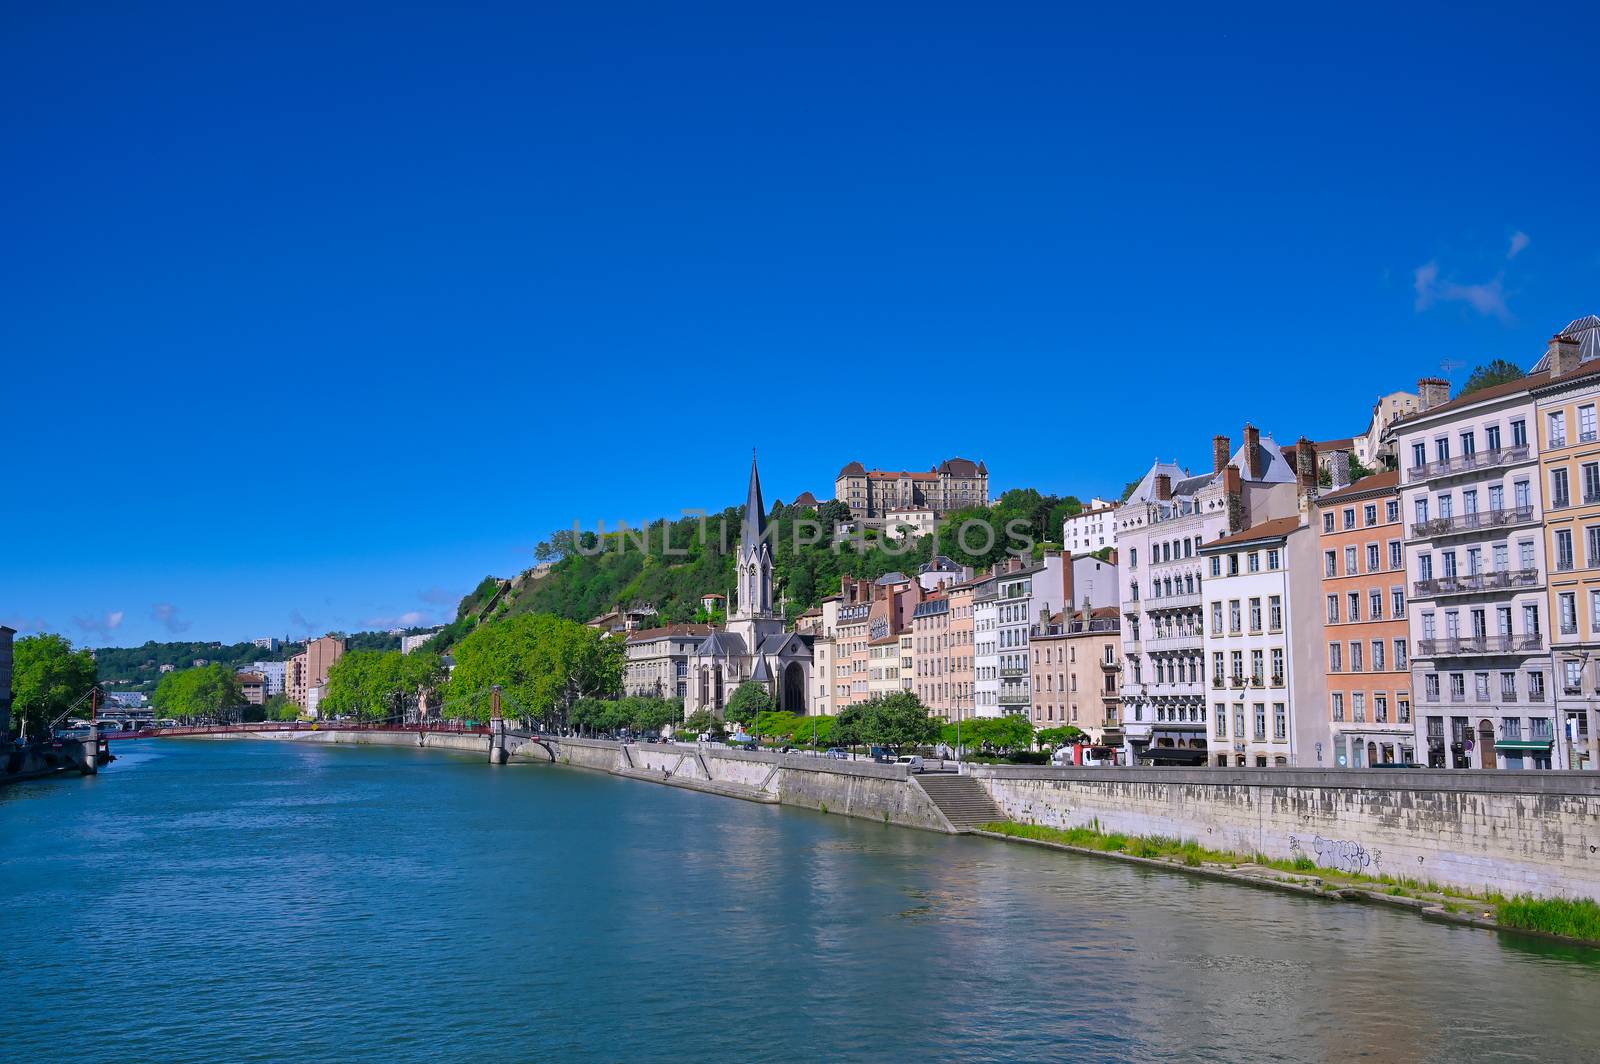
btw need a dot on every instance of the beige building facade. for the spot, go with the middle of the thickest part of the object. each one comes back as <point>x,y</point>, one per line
<point>872,494</point>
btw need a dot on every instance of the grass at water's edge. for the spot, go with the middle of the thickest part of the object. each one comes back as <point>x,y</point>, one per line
<point>1567,917</point>
<point>1573,918</point>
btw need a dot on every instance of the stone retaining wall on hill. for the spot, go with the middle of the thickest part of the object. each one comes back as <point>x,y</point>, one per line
<point>1513,832</point>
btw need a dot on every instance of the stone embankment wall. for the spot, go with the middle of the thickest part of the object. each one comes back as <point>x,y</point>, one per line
<point>1513,832</point>
<point>852,788</point>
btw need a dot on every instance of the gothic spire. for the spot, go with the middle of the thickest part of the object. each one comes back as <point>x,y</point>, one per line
<point>755,512</point>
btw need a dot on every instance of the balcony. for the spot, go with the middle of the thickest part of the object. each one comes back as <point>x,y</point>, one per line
<point>1458,646</point>
<point>1174,602</point>
<point>1482,521</point>
<point>1477,582</point>
<point>1467,463</point>
<point>1181,641</point>
<point>1130,646</point>
<point>1014,698</point>
<point>1012,671</point>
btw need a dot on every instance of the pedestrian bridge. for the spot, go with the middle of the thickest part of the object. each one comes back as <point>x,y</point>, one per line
<point>513,741</point>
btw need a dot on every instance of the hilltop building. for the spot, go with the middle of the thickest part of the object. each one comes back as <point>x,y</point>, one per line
<point>874,494</point>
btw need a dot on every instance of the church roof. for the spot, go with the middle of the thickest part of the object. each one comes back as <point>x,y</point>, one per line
<point>728,644</point>
<point>761,674</point>
<point>1586,331</point>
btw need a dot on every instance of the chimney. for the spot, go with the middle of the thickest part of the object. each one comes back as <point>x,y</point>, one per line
<point>1564,357</point>
<point>1432,391</point>
<point>1339,469</point>
<point>1235,496</point>
<point>1066,581</point>
<point>1163,486</point>
<point>1221,450</point>
<point>1305,466</point>
<point>1252,452</point>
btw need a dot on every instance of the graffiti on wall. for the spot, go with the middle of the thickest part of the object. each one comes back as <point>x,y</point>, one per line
<point>1343,854</point>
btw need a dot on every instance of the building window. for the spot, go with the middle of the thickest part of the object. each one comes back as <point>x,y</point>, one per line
<point>1335,657</point>
<point>1275,613</point>
<point>1358,707</point>
<point>1337,702</point>
<point>1391,511</point>
<point>1333,609</point>
<point>1349,518</point>
<point>1400,655</point>
<point>1564,560</point>
<point>1327,521</point>
<point>1380,708</point>
<point>1261,721</point>
<point>1280,721</point>
<point>1559,496</point>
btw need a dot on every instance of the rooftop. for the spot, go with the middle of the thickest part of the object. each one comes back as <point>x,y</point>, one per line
<point>1275,529</point>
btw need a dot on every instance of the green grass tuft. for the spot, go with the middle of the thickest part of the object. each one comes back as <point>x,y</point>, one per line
<point>1572,917</point>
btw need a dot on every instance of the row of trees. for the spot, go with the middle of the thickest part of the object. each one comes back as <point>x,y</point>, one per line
<point>635,713</point>
<point>379,685</point>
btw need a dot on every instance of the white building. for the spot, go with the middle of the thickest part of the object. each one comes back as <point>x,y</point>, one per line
<point>408,643</point>
<point>1091,529</point>
<point>985,650</point>
<point>1375,447</point>
<point>1475,551</point>
<point>275,674</point>
<point>920,522</point>
<point>1266,701</point>
<point>1160,531</point>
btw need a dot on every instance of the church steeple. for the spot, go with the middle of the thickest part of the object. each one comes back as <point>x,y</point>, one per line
<point>755,558</point>
<point>755,511</point>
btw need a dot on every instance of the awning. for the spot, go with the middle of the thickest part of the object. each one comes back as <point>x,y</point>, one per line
<point>1535,745</point>
<point>1174,755</point>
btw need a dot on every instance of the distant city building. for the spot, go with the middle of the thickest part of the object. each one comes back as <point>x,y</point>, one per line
<point>267,643</point>
<point>201,663</point>
<point>254,687</point>
<point>126,700</point>
<point>873,494</point>
<point>1375,448</point>
<point>1090,530</point>
<point>307,671</point>
<point>168,668</point>
<point>620,622</point>
<point>898,524</point>
<point>274,673</point>
<point>408,643</point>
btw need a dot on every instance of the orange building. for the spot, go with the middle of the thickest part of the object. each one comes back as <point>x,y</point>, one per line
<point>1364,616</point>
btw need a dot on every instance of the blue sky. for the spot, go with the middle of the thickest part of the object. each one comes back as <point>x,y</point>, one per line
<point>313,315</point>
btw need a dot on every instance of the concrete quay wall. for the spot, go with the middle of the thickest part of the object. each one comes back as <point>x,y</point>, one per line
<point>1516,833</point>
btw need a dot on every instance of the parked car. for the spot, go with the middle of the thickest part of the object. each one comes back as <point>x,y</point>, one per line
<point>913,762</point>
<point>837,754</point>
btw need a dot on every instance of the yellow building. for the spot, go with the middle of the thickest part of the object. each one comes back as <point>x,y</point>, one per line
<point>1568,419</point>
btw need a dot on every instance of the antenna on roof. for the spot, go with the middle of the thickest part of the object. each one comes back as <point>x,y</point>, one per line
<point>1449,365</point>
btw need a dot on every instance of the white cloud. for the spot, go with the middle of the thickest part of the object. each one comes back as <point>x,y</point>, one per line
<point>100,626</point>
<point>166,615</point>
<point>408,619</point>
<point>1519,240</point>
<point>1488,298</point>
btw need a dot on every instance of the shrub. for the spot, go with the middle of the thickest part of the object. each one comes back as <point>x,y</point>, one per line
<point>1571,917</point>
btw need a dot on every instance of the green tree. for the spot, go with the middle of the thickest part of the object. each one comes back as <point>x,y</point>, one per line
<point>47,677</point>
<point>704,722</point>
<point>1055,737</point>
<point>897,720</point>
<point>1010,732</point>
<point>210,692</point>
<point>749,700</point>
<point>543,664</point>
<point>1498,371</point>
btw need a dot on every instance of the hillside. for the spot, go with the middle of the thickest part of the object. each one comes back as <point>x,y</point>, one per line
<point>591,575</point>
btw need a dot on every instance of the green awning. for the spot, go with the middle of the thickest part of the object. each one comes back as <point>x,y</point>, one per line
<point>1522,744</point>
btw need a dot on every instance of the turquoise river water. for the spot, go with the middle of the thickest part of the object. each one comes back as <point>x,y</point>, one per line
<point>231,901</point>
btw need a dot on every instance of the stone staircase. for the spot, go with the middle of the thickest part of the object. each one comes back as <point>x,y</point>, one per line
<point>961,799</point>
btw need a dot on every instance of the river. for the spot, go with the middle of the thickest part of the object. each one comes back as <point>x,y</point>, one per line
<point>204,901</point>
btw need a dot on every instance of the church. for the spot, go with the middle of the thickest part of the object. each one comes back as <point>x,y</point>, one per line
<point>753,645</point>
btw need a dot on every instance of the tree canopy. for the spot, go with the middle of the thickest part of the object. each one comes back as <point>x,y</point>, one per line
<point>209,691</point>
<point>543,664</point>
<point>1497,371</point>
<point>893,720</point>
<point>47,677</point>
<point>749,701</point>
<point>1010,732</point>
<point>375,685</point>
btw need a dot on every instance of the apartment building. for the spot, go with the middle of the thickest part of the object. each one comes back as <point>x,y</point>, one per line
<point>306,674</point>
<point>872,494</point>
<point>656,660</point>
<point>1266,706</point>
<point>1569,475</point>
<point>985,649</point>
<point>253,686</point>
<point>932,662</point>
<point>1047,676</point>
<point>883,667</point>
<point>1375,447</point>
<point>868,612</point>
<point>1091,529</point>
<point>1480,662</point>
<point>1160,530</point>
<point>1024,592</point>
<point>274,673</point>
<point>824,650</point>
<point>1076,659</point>
<point>1367,665</point>
<point>960,702</point>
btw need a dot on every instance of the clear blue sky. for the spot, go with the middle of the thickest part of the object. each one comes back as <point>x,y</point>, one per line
<point>311,316</point>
